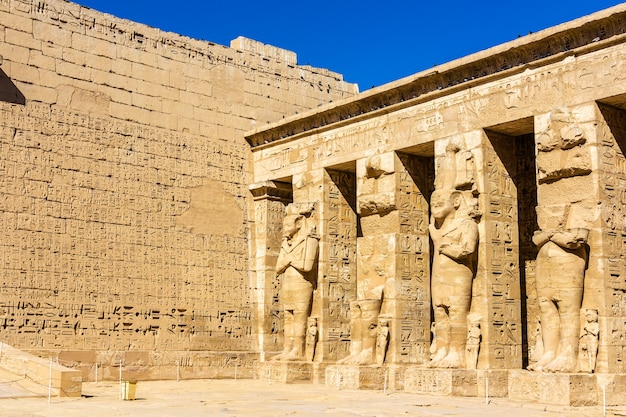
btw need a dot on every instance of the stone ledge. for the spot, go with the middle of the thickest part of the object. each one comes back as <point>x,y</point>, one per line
<point>364,377</point>
<point>66,382</point>
<point>287,372</point>
<point>456,382</point>
<point>576,390</point>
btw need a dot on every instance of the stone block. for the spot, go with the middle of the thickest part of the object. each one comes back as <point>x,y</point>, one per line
<point>360,377</point>
<point>16,37</point>
<point>553,388</point>
<point>286,372</point>
<point>456,382</point>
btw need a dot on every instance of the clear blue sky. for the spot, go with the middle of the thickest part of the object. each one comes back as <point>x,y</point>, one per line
<point>369,42</point>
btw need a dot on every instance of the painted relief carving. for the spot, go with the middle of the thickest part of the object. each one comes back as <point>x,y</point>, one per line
<point>297,262</point>
<point>560,273</point>
<point>454,233</point>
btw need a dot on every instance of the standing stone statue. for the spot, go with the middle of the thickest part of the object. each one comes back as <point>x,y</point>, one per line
<point>382,339</point>
<point>560,273</point>
<point>297,262</point>
<point>472,346</point>
<point>312,335</point>
<point>455,239</point>
<point>589,341</point>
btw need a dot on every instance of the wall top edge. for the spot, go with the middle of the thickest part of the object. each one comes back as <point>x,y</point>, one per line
<point>85,20</point>
<point>579,36</point>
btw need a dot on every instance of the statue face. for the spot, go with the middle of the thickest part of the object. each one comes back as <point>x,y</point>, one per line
<point>591,315</point>
<point>441,204</point>
<point>290,225</point>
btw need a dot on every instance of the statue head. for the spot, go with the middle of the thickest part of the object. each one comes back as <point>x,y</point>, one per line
<point>292,223</point>
<point>591,315</point>
<point>444,202</point>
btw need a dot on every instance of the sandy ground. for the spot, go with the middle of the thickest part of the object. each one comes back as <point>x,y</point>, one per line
<point>259,398</point>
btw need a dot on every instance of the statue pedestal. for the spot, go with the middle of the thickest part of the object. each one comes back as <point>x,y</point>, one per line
<point>288,372</point>
<point>363,377</point>
<point>564,389</point>
<point>456,382</point>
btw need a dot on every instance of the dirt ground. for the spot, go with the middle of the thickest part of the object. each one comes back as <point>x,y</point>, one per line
<point>260,398</point>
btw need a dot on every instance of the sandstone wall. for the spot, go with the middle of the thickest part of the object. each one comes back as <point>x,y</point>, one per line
<point>123,187</point>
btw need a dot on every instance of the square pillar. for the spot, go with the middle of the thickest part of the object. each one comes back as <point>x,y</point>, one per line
<point>605,280</point>
<point>570,267</point>
<point>269,199</point>
<point>393,257</point>
<point>337,273</point>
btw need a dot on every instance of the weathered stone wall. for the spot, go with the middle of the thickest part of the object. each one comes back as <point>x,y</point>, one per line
<point>123,187</point>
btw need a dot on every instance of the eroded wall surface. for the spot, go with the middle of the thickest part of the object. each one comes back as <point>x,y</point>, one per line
<point>124,187</point>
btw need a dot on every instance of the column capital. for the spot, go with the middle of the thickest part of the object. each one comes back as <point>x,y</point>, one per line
<point>271,190</point>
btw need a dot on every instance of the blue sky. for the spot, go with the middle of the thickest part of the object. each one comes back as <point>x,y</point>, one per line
<point>370,42</point>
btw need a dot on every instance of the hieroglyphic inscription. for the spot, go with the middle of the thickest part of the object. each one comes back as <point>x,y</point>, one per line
<point>339,274</point>
<point>612,141</point>
<point>502,251</point>
<point>416,179</point>
<point>93,258</point>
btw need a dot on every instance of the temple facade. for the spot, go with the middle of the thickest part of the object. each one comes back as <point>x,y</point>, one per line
<point>469,220</point>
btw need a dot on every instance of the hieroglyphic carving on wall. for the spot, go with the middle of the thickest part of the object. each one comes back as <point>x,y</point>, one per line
<point>416,177</point>
<point>93,258</point>
<point>612,179</point>
<point>338,276</point>
<point>503,156</point>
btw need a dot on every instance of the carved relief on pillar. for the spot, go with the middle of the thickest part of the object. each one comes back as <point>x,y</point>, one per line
<point>509,201</point>
<point>562,148</point>
<point>612,189</point>
<point>337,263</point>
<point>270,199</point>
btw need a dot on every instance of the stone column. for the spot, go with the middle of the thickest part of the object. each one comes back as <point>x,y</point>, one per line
<point>270,199</point>
<point>605,280</point>
<point>496,295</point>
<point>337,275</point>
<point>390,315</point>
<point>570,269</point>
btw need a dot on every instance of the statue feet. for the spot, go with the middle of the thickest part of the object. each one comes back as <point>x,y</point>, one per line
<point>542,362</point>
<point>280,356</point>
<point>363,357</point>
<point>451,360</point>
<point>562,363</point>
<point>293,354</point>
